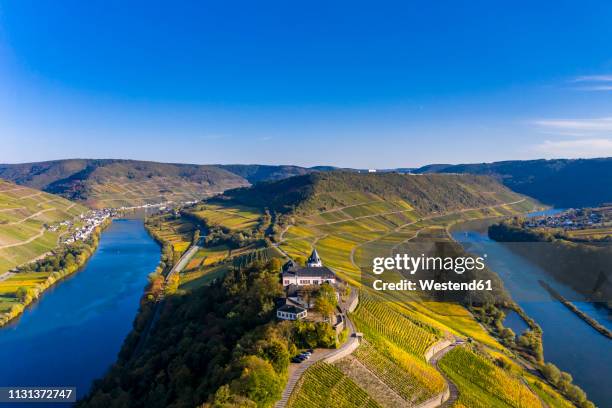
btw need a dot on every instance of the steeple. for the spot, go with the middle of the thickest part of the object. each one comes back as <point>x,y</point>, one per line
<point>314,261</point>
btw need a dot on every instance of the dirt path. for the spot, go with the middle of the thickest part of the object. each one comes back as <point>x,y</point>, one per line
<point>27,241</point>
<point>36,214</point>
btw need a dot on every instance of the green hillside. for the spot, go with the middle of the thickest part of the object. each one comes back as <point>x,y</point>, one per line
<point>116,183</point>
<point>325,191</point>
<point>24,212</point>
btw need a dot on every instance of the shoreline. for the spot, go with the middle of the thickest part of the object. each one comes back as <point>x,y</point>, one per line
<point>582,315</point>
<point>50,282</point>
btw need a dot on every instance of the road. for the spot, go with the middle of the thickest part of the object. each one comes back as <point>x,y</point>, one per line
<point>159,301</point>
<point>452,388</point>
<point>329,355</point>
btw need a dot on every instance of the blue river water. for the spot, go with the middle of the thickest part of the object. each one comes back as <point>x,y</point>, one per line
<point>569,342</point>
<point>72,335</point>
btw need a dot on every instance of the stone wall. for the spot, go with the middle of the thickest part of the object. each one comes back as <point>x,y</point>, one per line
<point>442,344</point>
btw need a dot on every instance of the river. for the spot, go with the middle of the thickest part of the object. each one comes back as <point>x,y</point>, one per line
<point>73,333</point>
<point>569,342</point>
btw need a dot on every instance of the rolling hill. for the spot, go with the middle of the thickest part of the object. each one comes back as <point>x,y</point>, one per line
<point>116,183</point>
<point>348,218</point>
<point>324,191</point>
<point>23,214</point>
<point>560,182</point>
<point>254,173</point>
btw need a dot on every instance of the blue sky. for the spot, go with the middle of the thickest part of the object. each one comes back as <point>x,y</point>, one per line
<point>360,84</point>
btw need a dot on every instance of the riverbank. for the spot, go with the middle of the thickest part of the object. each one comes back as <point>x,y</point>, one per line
<point>567,341</point>
<point>592,322</point>
<point>33,279</point>
<point>73,334</point>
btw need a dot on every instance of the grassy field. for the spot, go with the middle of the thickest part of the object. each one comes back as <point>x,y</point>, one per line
<point>24,215</point>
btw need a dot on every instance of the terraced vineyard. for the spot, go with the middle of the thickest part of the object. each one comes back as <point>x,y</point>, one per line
<point>350,226</point>
<point>324,385</point>
<point>24,215</point>
<point>482,384</point>
<point>410,378</point>
<point>378,321</point>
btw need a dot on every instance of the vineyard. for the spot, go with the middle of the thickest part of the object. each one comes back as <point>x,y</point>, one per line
<point>484,385</point>
<point>258,255</point>
<point>380,322</point>
<point>413,380</point>
<point>233,218</point>
<point>324,385</point>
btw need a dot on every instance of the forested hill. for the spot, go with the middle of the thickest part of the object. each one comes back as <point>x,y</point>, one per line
<point>323,191</point>
<point>255,173</point>
<point>561,182</point>
<point>115,183</point>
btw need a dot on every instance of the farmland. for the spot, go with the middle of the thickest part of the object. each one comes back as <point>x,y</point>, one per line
<point>219,251</point>
<point>324,385</point>
<point>482,384</point>
<point>399,327</point>
<point>24,213</point>
<point>235,218</point>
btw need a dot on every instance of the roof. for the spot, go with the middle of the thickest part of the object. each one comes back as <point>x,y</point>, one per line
<point>314,257</point>
<point>310,271</point>
<point>291,309</point>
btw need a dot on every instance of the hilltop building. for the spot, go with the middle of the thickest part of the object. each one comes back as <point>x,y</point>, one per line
<point>314,273</point>
<point>299,283</point>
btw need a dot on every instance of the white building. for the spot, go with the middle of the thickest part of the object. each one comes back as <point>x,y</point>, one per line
<point>313,274</point>
<point>289,311</point>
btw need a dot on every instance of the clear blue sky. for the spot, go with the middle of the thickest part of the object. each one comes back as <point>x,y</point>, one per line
<point>361,84</point>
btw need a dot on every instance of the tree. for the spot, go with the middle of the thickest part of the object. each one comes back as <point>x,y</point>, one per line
<point>507,334</point>
<point>258,381</point>
<point>551,373</point>
<point>323,306</point>
<point>22,293</point>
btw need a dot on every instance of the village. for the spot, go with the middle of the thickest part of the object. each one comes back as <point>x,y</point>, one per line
<point>574,219</point>
<point>87,224</point>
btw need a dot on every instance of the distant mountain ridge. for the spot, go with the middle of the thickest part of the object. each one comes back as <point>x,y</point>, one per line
<point>559,182</point>
<point>111,182</point>
<point>115,183</point>
<point>254,173</point>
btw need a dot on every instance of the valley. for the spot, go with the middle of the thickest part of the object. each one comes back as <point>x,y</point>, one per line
<point>348,218</point>
<point>348,226</point>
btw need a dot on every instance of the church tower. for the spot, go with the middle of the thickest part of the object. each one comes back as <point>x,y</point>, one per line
<point>314,261</point>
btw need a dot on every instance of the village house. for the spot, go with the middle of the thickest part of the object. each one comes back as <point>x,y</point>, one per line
<point>291,311</point>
